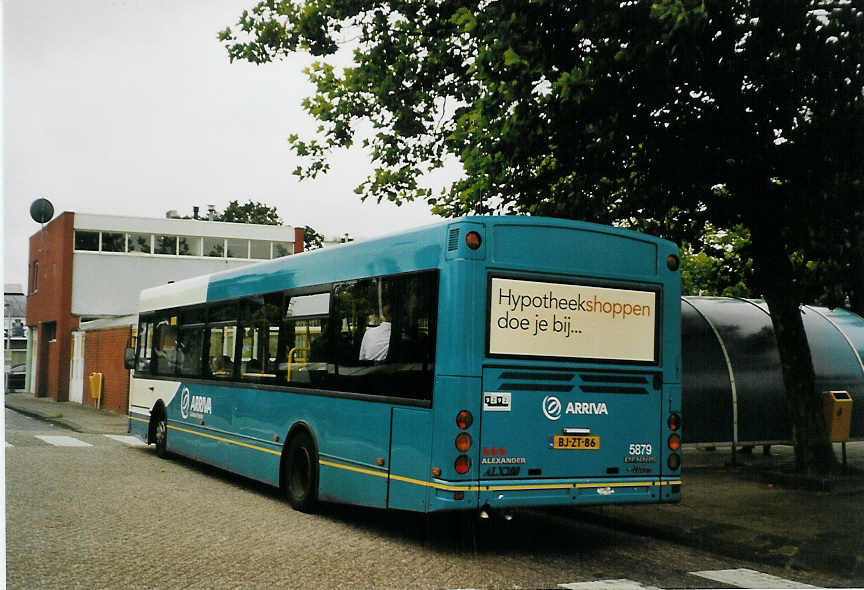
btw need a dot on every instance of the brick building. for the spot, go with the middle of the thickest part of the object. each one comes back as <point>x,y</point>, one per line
<point>105,340</point>
<point>85,267</point>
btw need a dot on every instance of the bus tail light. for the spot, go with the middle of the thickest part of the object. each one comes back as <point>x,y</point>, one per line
<point>463,442</point>
<point>674,461</point>
<point>436,472</point>
<point>674,442</point>
<point>464,419</point>
<point>473,239</point>
<point>674,421</point>
<point>462,465</point>
<point>673,262</point>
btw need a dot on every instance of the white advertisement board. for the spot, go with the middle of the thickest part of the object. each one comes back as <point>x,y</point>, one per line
<point>531,318</point>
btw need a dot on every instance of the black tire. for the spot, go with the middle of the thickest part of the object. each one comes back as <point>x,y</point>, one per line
<point>300,481</point>
<point>160,435</point>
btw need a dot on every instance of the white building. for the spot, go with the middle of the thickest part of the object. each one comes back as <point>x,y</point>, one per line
<point>86,267</point>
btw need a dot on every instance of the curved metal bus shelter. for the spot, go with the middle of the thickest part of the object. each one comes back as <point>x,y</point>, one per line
<point>732,383</point>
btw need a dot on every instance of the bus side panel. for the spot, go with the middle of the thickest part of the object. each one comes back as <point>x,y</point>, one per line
<point>410,451</point>
<point>352,435</point>
<point>452,395</point>
<point>258,421</point>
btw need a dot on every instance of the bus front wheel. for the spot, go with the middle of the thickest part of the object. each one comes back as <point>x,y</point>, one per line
<point>301,473</point>
<point>160,435</point>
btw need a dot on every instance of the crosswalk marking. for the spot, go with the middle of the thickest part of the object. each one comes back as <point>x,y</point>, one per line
<point>745,578</point>
<point>63,441</point>
<point>132,441</point>
<point>741,577</point>
<point>617,584</point>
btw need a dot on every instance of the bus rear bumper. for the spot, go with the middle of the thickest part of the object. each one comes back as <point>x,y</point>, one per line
<point>581,492</point>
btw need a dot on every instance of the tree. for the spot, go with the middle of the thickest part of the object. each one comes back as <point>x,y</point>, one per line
<point>720,266</point>
<point>312,239</point>
<point>249,212</point>
<point>663,115</point>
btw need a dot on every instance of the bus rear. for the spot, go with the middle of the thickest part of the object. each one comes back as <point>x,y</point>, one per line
<point>578,392</point>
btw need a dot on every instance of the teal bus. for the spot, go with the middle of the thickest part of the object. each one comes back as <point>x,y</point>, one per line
<point>483,363</point>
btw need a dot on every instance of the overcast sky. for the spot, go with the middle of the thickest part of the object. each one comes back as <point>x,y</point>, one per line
<point>130,107</point>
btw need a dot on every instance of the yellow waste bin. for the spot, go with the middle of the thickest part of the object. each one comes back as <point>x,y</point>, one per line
<point>837,406</point>
<point>95,385</point>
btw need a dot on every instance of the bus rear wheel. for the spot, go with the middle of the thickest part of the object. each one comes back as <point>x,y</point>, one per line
<point>301,473</point>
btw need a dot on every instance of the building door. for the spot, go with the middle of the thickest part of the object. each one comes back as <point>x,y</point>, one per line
<point>42,387</point>
<point>76,368</point>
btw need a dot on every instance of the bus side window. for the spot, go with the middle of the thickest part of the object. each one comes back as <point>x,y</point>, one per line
<point>165,352</point>
<point>259,330</point>
<point>356,309</point>
<point>191,342</point>
<point>303,351</point>
<point>220,339</point>
<point>220,351</point>
<point>384,334</point>
<point>145,347</point>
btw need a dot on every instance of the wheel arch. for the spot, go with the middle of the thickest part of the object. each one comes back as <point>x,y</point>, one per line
<point>301,426</point>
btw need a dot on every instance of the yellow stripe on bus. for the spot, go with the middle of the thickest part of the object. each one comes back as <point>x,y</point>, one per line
<point>227,440</point>
<point>352,468</point>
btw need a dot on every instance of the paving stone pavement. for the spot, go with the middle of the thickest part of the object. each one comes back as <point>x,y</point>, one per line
<point>725,510</point>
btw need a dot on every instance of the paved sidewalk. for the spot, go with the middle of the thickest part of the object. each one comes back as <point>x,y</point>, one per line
<point>759,510</point>
<point>756,510</point>
<point>72,415</point>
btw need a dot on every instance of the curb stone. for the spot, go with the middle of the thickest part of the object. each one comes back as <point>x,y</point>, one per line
<point>57,420</point>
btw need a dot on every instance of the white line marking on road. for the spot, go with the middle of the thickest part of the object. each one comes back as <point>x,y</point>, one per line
<point>620,584</point>
<point>63,441</point>
<point>746,578</point>
<point>132,441</point>
<point>8,444</point>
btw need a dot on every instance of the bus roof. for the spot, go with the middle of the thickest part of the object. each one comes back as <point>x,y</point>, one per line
<point>421,248</point>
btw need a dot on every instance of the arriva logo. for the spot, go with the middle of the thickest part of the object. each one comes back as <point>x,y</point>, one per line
<point>551,407</point>
<point>198,404</point>
<point>184,403</point>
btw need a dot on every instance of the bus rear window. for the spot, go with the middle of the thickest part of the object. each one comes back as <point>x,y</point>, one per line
<point>571,321</point>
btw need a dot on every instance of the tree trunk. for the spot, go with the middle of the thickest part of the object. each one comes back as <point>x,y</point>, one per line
<point>776,280</point>
<point>856,287</point>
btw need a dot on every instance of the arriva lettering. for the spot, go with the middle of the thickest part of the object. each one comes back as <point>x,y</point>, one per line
<point>201,404</point>
<point>587,408</point>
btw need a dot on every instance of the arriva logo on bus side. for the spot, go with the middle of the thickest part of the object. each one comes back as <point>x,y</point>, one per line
<point>198,404</point>
<point>552,408</point>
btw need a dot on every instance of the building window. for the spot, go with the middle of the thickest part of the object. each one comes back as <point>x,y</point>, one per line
<point>260,250</point>
<point>166,245</point>
<point>139,243</point>
<point>238,248</point>
<point>49,331</point>
<point>189,246</point>
<point>35,286</point>
<point>87,240</point>
<point>281,249</point>
<point>214,247</point>
<point>113,242</point>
